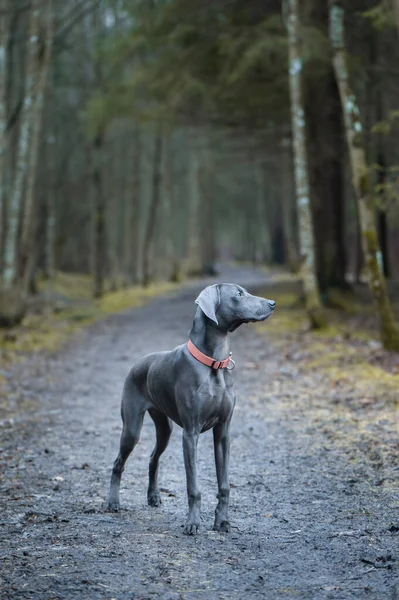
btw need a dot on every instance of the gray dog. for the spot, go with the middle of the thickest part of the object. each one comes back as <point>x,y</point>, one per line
<point>192,386</point>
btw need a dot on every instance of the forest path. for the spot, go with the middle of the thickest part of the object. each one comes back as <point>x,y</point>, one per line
<point>304,524</point>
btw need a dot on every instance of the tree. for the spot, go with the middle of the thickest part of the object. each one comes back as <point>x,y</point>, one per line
<point>214,78</point>
<point>99,252</point>
<point>12,288</point>
<point>132,213</point>
<point>289,215</point>
<point>361,181</point>
<point>10,266</point>
<point>97,152</point>
<point>307,248</point>
<point>43,59</point>
<point>4,33</point>
<point>153,208</point>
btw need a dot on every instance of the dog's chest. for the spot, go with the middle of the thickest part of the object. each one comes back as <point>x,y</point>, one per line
<point>213,402</point>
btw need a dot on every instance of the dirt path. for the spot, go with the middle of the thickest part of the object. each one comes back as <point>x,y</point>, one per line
<point>306,521</point>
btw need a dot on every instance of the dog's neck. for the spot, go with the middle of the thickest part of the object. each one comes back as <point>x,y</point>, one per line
<point>208,337</point>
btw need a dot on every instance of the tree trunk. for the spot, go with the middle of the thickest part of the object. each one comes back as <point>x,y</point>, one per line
<point>288,205</point>
<point>306,239</point>
<point>169,214</point>
<point>396,11</point>
<point>50,232</point>
<point>167,196</point>
<point>56,170</point>
<point>4,34</point>
<point>43,59</point>
<point>193,242</point>
<point>335,183</point>
<point>262,215</point>
<point>136,203</point>
<point>325,151</point>
<point>99,250</point>
<point>112,191</point>
<point>361,182</point>
<point>153,211</point>
<point>11,250</point>
<point>130,205</point>
<point>382,223</point>
<point>380,159</point>
<point>206,212</point>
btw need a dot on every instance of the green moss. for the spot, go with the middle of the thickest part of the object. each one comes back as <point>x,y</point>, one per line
<point>81,313</point>
<point>343,301</point>
<point>75,286</point>
<point>133,297</point>
<point>49,331</point>
<point>36,333</point>
<point>317,318</point>
<point>288,300</point>
<point>284,323</point>
<point>338,387</point>
<point>364,181</point>
<point>329,332</point>
<point>371,240</point>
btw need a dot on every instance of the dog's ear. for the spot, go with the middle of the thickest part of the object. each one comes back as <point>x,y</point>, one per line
<point>208,301</point>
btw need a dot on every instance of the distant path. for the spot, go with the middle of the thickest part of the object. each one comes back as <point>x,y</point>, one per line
<point>302,525</point>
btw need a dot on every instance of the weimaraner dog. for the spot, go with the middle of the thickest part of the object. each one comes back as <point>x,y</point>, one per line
<point>192,386</point>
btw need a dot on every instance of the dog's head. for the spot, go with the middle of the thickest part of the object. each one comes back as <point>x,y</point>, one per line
<point>229,305</point>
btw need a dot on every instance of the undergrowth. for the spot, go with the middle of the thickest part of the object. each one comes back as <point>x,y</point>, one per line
<point>341,376</point>
<point>65,309</point>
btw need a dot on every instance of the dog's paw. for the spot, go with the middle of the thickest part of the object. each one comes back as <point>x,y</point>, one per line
<point>223,526</point>
<point>191,528</point>
<point>154,499</point>
<point>113,507</point>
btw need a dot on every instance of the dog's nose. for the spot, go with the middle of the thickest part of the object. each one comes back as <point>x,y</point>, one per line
<point>272,304</point>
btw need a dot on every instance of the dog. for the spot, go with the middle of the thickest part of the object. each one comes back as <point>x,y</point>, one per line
<point>192,386</point>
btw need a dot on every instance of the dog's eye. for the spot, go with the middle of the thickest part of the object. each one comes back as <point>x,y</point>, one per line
<point>238,294</point>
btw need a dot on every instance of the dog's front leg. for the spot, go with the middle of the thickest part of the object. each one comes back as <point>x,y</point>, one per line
<point>221,439</point>
<point>190,441</point>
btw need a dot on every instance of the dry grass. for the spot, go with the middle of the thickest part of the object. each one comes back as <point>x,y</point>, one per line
<point>343,379</point>
<point>74,309</point>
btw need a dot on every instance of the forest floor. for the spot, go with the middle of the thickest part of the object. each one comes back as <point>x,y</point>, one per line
<point>314,470</point>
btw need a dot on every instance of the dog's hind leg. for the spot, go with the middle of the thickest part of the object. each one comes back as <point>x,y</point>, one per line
<point>133,410</point>
<point>163,427</point>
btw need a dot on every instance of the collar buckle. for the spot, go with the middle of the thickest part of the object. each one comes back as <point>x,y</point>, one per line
<point>231,362</point>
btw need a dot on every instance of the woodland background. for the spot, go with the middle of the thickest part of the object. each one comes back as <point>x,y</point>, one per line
<point>149,139</point>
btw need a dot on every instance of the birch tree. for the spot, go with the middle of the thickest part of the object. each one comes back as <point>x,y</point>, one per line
<point>10,266</point>
<point>361,181</point>
<point>306,237</point>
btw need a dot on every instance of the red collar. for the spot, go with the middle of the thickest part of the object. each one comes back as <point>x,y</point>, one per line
<point>214,364</point>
